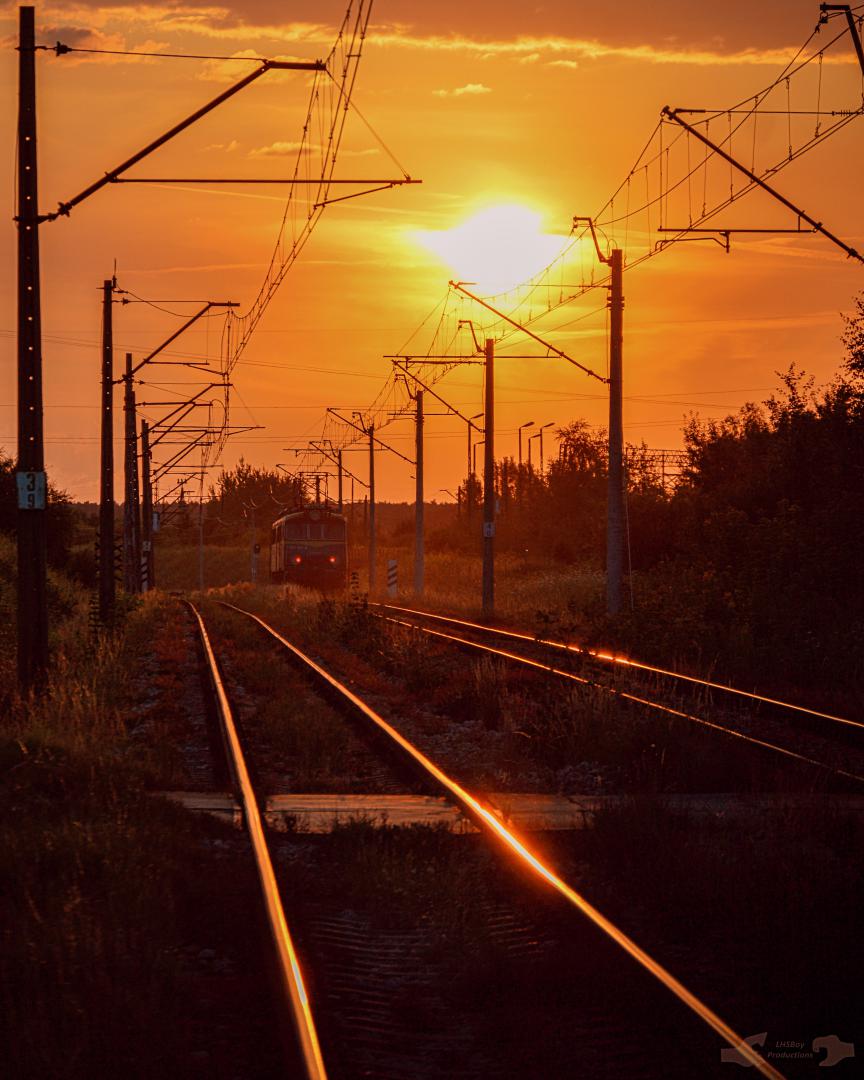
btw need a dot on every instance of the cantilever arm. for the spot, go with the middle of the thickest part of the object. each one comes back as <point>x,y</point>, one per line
<point>375,439</point>
<point>552,348</point>
<point>111,177</point>
<point>182,330</point>
<point>330,457</point>
<point>672,114</point>
<point>409,374</point>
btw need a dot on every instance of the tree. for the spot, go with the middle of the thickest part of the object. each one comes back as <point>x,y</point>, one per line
<point>853,340</point>
<point>238,491</point>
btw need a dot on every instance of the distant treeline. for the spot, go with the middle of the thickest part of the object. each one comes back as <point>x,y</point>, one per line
<point>751,559</point>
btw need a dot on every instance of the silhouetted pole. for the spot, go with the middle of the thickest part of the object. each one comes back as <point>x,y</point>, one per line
<point>615,499</point>
<point>106,472</point>
<point>542,459</point>
<point>372,537</point>
<point>201,545</point>
<point>254,537</point>
<point>489,484</point>
<point>131,526</point>
<point>419,553</point>
<point>339,470</point>
<point>30,469</point>
<point>317,490</point>
<point>529,423</point>
<point>468,478</point>
<point>147,561</point>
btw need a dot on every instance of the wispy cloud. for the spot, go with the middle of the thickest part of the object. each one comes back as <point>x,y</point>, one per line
<point>588,49</point>
<point>227,147</point>
<point>289,149</point>
<point>469,90</point>
<point>218,22</point>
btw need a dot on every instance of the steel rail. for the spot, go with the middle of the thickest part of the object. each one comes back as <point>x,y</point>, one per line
<point>291,976</point>
<point>623,694</point>
<point>475,809</point>
<point>623,661</point>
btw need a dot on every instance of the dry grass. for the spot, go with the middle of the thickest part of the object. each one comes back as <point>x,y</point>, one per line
<point>97,880</point>
<point>524,586</point>
<point>177,565</point>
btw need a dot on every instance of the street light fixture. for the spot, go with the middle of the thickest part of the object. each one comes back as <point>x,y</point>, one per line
<point>540,433</point>
<point>531,439</point>
<point>470,429</point>
<point>530,423</point>
<point>481,442</point>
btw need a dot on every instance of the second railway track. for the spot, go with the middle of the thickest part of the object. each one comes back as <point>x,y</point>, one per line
<point>404,982</point>
<point>834,751</point>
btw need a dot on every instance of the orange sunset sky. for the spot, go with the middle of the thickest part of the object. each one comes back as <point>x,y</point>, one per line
<point>515,117</point>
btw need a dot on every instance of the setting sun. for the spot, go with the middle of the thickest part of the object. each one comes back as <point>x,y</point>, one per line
<point>496,248</point>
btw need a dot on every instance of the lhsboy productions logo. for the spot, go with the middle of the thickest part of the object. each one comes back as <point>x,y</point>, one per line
<point>824,1051</point>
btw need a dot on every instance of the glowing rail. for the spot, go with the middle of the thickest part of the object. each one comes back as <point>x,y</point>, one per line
<point>623,694</point>
<point>291,976</point>
<point>519,848</point>
<point>622,661</point>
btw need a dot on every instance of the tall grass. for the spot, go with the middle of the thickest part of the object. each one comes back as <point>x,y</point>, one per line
<point>177,565</point>
<point>524,585</point>
<point>95,876</point>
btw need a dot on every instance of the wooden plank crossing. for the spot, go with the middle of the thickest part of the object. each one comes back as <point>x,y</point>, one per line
<point>320,813</point>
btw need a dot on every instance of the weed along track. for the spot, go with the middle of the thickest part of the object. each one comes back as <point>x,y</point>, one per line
<point>448,937</point>
<point>812,742</point>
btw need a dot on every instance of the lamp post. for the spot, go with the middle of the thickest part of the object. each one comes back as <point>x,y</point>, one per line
<point>540,433</point>
<point>529,423</point>
<point>531,439</point>
<point>480,442</point>
<point>472,466</point>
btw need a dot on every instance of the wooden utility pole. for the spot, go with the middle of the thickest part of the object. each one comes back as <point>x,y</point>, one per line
<point>489,483</point>
<point>372,538</point>
<point>615,497</point>
<point>131,509</point>
<point>147,560</point>
<point>419,552</point>
<point>106,471</point>
<point>30,468</point>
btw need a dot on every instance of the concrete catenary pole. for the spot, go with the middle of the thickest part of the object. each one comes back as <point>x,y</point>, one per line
<point>30,467</point>
<point>147,561</point>
<point>372,536</point>
<point>339,470</point>
<point>419,552</point>
<point>106,471</point>
<point>615,498</point>
<point>489,483</point>
<point>131,510</point>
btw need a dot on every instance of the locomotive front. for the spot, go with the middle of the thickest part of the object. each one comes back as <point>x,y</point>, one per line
<point>309,547</point>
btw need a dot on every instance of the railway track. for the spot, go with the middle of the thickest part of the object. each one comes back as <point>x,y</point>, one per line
<point>340,933</point>
<point>291,978</point>
<point>538,655</point>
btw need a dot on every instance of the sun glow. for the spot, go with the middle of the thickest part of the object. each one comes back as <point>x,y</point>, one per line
<point>496,249</point>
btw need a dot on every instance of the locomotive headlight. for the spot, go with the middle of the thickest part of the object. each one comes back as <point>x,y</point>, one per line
<point>332,558</point>
<point>298,559</point>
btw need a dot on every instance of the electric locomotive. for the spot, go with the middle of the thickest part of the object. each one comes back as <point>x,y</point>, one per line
<point>309,547</point>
